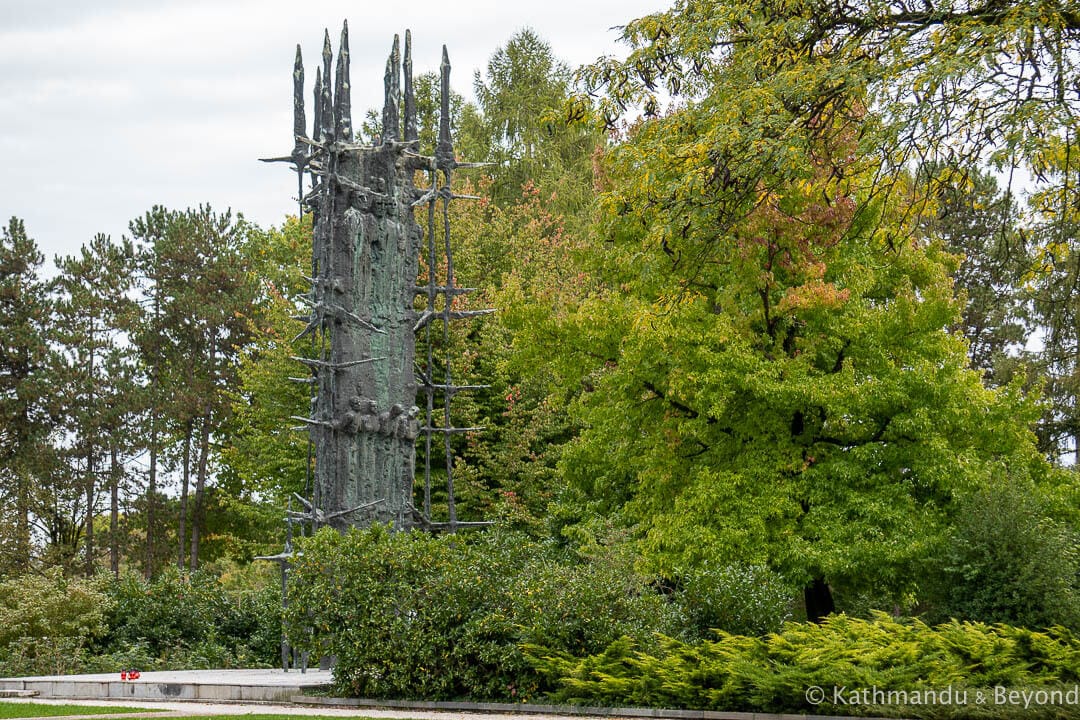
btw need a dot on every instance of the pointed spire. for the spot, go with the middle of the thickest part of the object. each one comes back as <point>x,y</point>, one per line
<point>342,94</point>
<point>300,149</point>
<point>410,95</point>
<point>317,104</point>
<point>326,102</point>
<point>444,151</point>
<point>391,129</point>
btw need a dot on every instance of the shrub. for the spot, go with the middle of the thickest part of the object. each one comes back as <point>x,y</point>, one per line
<point>414,616</point>
<point>46,621</point>
<point>773,673</point>
<point>1006,562</point>
<point>738,599</point>
<point>178,620</point>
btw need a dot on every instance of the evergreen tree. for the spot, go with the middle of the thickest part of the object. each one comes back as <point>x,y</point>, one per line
<point>521,99</point>
<point>973,218</point>
<point>201,307</point>
<point>26,415</point>
<point>94,312</point>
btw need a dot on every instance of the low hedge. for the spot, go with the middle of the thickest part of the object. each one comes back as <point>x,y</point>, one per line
<point>956,669</point>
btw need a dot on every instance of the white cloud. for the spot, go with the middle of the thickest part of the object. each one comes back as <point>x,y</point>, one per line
<point>109,107</point>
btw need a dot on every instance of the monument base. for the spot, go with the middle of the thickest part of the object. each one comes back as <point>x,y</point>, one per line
<point>204,685</point>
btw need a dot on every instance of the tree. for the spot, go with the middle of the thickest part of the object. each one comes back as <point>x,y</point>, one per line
<point>948,81</point>
<point>26,419</point>
<point>201,295</point>
<point>94,313</point>
<point>158,360</point>
<point>974,219</point>
<point>769,376</point>
<point>1054,281</point>
<point>264,454</point>
<point>520,98</point>
<point>1007,560</point>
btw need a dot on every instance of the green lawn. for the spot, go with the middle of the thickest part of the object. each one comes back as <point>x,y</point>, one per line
<point>26,710</point>
<point>36,710</point>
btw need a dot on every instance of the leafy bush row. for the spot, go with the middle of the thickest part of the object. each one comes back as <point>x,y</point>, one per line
<point>50,624</point>
<point>774,672</point>
<point>413,616</point>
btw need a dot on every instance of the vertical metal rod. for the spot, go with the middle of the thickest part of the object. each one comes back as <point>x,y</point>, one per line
<point>447,394</point>
<point>444,160</point>
<point>430,371</point>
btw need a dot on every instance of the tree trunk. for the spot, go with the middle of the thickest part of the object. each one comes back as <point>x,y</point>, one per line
<point>22,513</point>
<point>184,493</point>
<point>114,514</point>
<point>90,480</point>
<point>89,513</point>
<point>200,485</point>
<point>819,600</point>
<point>151,502</point>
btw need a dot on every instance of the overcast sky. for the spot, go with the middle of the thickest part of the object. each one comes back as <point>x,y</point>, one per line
<point>108,107</point>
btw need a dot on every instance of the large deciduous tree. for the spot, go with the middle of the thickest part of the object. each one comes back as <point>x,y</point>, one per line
<point>771,377</point>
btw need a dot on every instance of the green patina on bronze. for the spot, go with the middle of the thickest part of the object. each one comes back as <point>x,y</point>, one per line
<point>364,316</point>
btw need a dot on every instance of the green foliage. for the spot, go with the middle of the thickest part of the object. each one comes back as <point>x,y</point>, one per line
<point>1007,561</point>
<point>263,454</point>
<point>27,415</point>
<point>522,256</point>
<point>527,137</point>
<point>953,80</point>
<point>95,380</point>
<point>773,673</point>
<point>414,616</point>
<point>191,620</point>
<point>764,372</point>
<point>975,219</point>
<point>737,599</point>
<point>198,266</point>
<point>47,621</point>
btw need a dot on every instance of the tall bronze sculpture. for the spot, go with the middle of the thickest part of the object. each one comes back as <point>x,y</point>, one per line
<point>366,307</point>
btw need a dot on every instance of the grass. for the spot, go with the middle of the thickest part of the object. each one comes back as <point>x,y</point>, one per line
<point>35,710</point>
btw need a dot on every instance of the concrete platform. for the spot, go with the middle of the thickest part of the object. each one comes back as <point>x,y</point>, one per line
<point>204,685</point>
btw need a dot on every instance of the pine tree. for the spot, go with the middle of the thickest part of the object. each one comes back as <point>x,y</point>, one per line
<point>201,297</point>
<point>94,314</point>
<point>26,418</point>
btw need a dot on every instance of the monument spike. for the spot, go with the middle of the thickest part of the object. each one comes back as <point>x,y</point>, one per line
<point>444,151</point>
<point>410,94</point>
<point>300,149</point>
<point>326,127</point>
<point>391,129</point>
<point>342,91</point>
<point>317,104</point>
